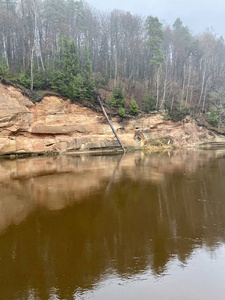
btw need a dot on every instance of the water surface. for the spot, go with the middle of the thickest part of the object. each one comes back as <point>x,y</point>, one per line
<point>110,227</point>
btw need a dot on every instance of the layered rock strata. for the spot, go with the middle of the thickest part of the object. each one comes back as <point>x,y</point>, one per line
<point>57,125</point>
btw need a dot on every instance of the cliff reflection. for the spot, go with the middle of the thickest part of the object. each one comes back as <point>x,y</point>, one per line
<point>68,222</point>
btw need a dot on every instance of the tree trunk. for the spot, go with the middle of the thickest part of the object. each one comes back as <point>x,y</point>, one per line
<point>189,79</point>
<point>164,88</point>
<point>31,70</point>
<point>5,52</point>
<point>113,130</point>
<point>157,87</point>
<point>116,70</point>
<point>203,83</point>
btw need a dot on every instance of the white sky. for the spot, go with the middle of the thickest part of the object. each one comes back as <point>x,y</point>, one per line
<point>198,15</point>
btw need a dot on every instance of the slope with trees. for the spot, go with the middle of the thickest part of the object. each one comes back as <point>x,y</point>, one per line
<point>74,49</point>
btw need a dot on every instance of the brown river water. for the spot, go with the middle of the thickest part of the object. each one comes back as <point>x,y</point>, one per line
<point>113,227</point>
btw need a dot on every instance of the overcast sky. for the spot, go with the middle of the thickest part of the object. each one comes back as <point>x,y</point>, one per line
<point>196,14</point>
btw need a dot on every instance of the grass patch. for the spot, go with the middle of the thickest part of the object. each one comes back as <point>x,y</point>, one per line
<point>158,145</point>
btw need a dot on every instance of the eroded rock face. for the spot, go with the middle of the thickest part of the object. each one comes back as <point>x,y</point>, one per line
<point>56,125</point>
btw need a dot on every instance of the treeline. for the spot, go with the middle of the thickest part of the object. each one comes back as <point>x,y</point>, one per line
<point>55,44</point>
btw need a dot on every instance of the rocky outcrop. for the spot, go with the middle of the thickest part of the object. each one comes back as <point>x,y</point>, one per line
<point>56,125</point>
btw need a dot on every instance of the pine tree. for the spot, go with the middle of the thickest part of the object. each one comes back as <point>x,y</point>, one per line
<point>68,79</point>
<point>155,39</point>
<point>133,107</point>
<point>89,84</point>
<point>4,70</point>
<point>117,98</point>
<point>121,112</point>
<point>149,103</point>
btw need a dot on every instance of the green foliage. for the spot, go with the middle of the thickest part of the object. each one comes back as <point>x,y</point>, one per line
<point>75,10</point>
<point>149,103</point>
<point>70,79</point>
<point>24,78</point>
<point>121,112</point>
<point>178,24</point>
<point>213,118</point>
<point>185,45</point>
<point>155,38</point>
<point>39,79</point>
<point>88,76</point>
<point>101,80</point>
<point>117,98</point>
<point>182,32</point>
<point>133,107</point>
<point>178,113</point>
<point>69,61</point>
<point>55,11</point>
<point>159,142</point>
<point>71,87</point>
<point>183,36</point>
<point>64,78</point>
<point>4,70</point>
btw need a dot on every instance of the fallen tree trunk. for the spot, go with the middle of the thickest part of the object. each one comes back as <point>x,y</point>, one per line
<point>113,130</point>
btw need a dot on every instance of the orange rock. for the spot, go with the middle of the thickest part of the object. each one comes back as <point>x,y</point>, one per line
<point>58,125</point>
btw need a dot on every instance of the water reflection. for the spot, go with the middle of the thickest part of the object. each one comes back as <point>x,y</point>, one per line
<point>69,223</point>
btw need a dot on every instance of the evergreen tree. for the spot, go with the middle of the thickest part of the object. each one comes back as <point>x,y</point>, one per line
<point>149,103</point>
<point>121,112</point>
<point>155,39</point>
<point>213,118</point>
<point>117,98</point>
<point>133,107</point>
<point>68,79</point>
<point>89,83</point>
<point>4,70</point>
<point>184,45</point>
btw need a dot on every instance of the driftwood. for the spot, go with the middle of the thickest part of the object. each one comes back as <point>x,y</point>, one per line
<point>113,130</point>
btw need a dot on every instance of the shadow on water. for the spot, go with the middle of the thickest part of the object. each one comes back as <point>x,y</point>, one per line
<point>67,223</point>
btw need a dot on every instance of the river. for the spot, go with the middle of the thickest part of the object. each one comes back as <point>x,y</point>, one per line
<point>136,226</point>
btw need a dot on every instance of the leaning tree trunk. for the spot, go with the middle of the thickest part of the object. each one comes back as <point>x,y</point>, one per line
<point>113,130</point>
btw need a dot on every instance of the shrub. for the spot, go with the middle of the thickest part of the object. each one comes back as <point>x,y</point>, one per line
<point>121,112</point>
<point>149,103</point>
<point>213,118</point>
<point>133,107</point>
<point>178,113</point>
<point>24,79</point>
<point>4,70</point>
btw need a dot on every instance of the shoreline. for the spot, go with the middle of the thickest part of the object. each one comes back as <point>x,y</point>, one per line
<point>213,145</point>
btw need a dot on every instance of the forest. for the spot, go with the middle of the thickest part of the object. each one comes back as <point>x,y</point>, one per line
<point>75,50</point>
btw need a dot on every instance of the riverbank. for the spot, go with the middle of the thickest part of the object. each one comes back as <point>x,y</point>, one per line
<point>57,126</point>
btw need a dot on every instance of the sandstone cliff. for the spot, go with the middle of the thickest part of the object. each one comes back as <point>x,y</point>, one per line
<point>56,125</point>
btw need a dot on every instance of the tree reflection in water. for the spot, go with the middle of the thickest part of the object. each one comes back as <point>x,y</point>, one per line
<point>68,223</point>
